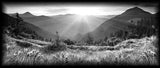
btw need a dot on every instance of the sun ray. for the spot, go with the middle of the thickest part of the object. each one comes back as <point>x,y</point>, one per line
<point>67,28</point>
<point>70,26</point>
<point>80,22</point>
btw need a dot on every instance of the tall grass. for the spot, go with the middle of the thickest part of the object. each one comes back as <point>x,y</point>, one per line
<point>130,52</point>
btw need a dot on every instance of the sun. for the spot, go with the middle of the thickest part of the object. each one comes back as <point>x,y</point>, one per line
<point>81,13</point>
<point>81,17</point>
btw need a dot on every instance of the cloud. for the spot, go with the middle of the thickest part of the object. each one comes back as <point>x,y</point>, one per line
<point>54,11</point>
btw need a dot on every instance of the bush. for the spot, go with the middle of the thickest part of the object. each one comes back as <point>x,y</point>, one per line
<point>69,42</point>
<point>54,48</point>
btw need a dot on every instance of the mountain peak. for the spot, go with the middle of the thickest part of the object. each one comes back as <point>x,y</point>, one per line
<point>28,13</point>
<point>135,11</point>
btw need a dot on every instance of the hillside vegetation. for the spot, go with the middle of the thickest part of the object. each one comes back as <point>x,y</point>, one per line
<point>132,52</point>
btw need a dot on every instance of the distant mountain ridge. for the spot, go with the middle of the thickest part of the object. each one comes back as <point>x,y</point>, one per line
<point>26,14</point>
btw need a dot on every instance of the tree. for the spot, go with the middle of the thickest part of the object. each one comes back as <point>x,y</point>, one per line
<point>89,39</point>
<point>18,18</point>
<point>57,40</point>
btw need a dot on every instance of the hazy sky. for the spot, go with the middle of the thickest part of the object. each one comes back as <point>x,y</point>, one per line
<point>75,8</point>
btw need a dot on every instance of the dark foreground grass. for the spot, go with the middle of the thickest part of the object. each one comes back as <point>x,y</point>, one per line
<point>139,52</point>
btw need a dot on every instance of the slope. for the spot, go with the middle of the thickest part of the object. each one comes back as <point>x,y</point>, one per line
<point>119,22</point>
<point>10,21</point>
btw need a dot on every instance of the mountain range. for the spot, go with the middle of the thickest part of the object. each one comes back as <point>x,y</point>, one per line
<point>99,27</point>
<point>119,22</point>
<point>67,25</point>
<point>26,14</point>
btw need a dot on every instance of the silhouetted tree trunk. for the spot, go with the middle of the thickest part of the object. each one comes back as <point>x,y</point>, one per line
<point>57,40</point>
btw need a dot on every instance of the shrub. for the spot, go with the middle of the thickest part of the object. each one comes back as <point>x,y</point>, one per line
<point>54,48</point>
<point>69,42</point>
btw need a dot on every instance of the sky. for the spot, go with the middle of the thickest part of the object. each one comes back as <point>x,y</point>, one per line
<point>50,9</point>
